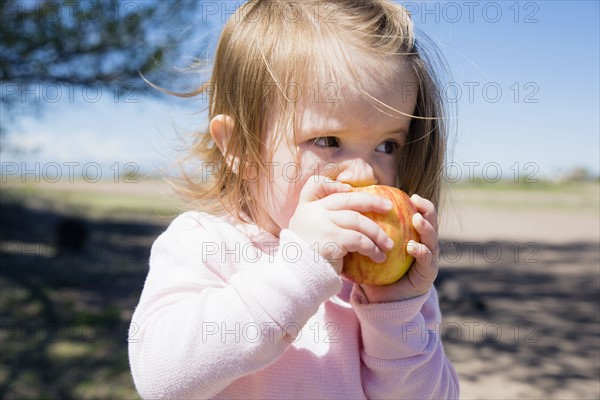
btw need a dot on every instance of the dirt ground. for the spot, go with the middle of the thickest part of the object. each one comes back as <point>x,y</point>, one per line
<point>520,295</point>
<point>519,285</point>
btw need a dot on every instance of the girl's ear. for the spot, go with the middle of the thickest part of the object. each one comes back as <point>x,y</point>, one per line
<point>221,130</point>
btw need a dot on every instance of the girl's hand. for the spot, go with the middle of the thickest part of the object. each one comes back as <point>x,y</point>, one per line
<point>419,278</point>
<point>329,216</point>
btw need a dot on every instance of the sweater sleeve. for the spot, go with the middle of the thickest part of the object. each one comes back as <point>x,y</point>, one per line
<point>402,351</point>
<point>196,329</point>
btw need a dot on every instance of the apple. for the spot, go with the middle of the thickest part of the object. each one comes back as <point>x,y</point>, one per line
<point>397,223</point>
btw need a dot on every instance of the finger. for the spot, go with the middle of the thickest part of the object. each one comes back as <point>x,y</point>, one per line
<point>353,241</point>
<point>426,208</point>
<point>427,233</point>
<point>357,222</point>
<point>424,270</point>
<point>319,187</point>
<point>357,201</point>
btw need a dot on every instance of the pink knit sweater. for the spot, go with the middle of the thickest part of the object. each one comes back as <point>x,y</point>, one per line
<point>232,312</point>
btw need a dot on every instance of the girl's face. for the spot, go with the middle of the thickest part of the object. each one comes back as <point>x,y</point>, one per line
<point>354,140</point>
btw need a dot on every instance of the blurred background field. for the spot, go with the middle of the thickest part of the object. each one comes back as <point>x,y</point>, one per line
<point>519,275</point>
<point>519,286</point>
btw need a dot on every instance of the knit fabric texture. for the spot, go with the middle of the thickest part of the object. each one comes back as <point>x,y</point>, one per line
<point>232,312</point>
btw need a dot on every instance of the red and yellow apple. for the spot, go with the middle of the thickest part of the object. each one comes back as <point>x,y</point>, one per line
<point>397,223</point>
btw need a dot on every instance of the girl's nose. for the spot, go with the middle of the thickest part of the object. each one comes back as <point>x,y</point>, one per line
<point>356,172</point>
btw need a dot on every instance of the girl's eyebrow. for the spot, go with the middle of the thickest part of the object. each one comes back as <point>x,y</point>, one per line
<point>323,131</point>
<point>400,131</point>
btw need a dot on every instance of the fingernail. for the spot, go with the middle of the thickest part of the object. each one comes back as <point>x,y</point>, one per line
<point>389,244</point>
<point>387,203</point>
<point>411,247</point>
<point>419,219</point>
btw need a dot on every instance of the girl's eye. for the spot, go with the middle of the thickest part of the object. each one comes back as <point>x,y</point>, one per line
<point>388,147</point>
<point>326,141</point>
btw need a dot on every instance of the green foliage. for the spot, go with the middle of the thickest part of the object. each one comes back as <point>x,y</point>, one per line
<point>105,44</point>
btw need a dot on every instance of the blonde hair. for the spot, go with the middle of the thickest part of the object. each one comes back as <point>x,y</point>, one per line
<point>268,47</point>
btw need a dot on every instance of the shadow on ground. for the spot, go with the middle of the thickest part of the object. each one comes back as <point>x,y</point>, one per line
<point>65,314</point>
<point>522,320</point>
<point>523,316</point>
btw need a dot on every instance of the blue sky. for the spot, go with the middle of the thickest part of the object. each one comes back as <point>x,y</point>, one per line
<point>549,55</point>
<point>525,82</point>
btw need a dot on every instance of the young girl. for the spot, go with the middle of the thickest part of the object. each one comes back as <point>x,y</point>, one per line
<point>245,298</point>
